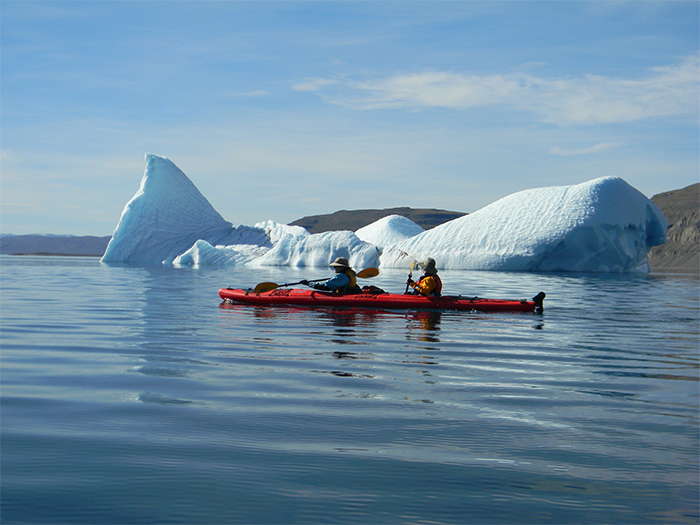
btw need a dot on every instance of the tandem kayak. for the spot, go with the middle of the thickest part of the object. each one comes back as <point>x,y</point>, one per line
<point>315,298</point>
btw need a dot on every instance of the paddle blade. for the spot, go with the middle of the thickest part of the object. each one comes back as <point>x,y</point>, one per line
<point>367,273</point>
<point>265,287</point>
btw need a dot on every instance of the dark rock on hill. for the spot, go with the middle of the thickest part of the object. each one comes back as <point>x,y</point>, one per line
<point>53,245</point>
<point>355,219</point>
<point>681,252</point>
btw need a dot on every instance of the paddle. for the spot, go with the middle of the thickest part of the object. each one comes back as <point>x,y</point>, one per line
<point>266,287</point>
<point>410,276</point>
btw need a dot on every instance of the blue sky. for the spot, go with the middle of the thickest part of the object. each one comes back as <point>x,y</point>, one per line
<point>277,110</point>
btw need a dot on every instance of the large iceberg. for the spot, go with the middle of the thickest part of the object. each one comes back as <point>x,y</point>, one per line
<point>167,215</point>
<point>604,225</point>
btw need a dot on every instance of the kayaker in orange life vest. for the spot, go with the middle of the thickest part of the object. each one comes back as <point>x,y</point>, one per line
<point>429,283</point>
<point>344,280</point>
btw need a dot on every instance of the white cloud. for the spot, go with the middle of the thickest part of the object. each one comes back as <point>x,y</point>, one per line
<point>438,89</point>
<point>257,93</point>
<point>313,84</point>
<point>605,146</point>
<point>6,156</point>
<point>588,100</point>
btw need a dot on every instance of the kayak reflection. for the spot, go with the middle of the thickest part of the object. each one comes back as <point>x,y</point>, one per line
<point>427,323</point>
<point>422,325</point>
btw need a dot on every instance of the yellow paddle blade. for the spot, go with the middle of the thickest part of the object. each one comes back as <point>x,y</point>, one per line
<point>367,273</point>
<point>265,287</point>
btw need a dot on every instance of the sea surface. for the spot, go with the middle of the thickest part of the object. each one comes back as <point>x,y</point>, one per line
<point>131,395</point>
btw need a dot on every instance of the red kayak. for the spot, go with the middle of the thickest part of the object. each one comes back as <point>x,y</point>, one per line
<point>304,297</point>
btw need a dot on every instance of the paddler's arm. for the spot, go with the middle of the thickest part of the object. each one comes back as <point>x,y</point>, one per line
<point>425,286</point>
<point>338,280</point>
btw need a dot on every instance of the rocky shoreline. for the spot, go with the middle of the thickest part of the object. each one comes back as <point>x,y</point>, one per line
<point>681,251</point>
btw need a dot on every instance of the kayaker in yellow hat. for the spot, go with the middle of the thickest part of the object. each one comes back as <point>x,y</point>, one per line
<point>343,282</point>
<point>429,283</point>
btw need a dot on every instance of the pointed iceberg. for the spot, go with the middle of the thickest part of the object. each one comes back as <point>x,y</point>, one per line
<point>165,217</point>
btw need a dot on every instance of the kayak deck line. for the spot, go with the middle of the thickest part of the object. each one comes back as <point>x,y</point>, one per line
<point>384,300</point>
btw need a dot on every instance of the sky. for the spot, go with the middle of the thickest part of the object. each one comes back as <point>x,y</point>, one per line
<point>280,110</point>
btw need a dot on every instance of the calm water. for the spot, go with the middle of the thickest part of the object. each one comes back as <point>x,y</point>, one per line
<point>131,395</point>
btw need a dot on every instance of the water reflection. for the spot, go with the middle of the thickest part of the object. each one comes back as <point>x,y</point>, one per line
<point>340,373</point>
<point>143,377</point>
<point>423,326</point>
<point>424,320</point>
<point>346,355</point>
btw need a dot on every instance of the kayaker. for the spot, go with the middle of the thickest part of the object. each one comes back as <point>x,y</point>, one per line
<point>343,282</point>
<point>429,284</point>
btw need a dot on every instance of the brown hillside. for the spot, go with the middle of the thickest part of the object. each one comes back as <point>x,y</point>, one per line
<point>355,219</point>
<point>681,252</point>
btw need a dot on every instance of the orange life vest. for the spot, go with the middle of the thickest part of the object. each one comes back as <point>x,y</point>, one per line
<point>425,287</point>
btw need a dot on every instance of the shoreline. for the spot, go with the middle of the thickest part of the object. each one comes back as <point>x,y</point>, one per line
<point>49,254</point>
<point>664,270</point>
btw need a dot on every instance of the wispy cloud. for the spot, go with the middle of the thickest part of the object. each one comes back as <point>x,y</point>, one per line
<point>588,100</point>
<point>314,84</point>
<point>253,94</point>
<point>598,148</point>
<point>5,155</point>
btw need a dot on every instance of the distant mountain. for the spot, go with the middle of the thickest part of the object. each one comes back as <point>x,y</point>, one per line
<point>53,245</point>
<point>353,220</point>
<point>681,252</point>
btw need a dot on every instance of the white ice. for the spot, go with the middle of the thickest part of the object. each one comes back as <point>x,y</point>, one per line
<point>164,218</point>
<point>320,249</point>
<point>388,231</point>
<point>204,254</point>
<point>604,225</point>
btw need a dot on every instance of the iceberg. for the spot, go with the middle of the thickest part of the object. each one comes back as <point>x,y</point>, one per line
<point>167,216</point>
<point>603,225</point>
<point>252,243</point>
<point>320,249</point>
<point>276,231</point>
<point>389,230</point>
<point>204,254</point>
